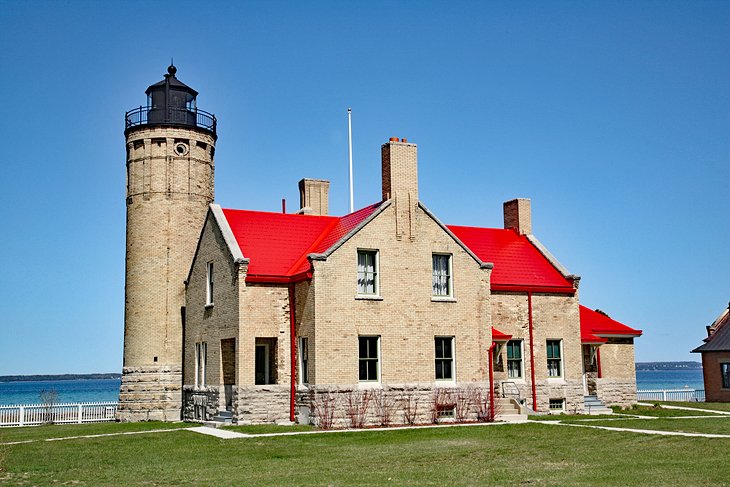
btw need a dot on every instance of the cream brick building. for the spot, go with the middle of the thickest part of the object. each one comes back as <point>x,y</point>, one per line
<point>287,310</point>
<point>386,314</point>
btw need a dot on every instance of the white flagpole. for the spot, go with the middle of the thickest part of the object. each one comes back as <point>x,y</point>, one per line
<point>349,129</point>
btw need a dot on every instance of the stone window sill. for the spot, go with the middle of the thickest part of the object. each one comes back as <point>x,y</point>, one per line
<point>368,297</point>
<point>443,299</point>
<point>369,385</point>
<point>208,306</point>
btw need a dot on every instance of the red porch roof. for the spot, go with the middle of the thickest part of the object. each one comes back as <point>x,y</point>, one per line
<point>596,327</point>
<point>498,336</point>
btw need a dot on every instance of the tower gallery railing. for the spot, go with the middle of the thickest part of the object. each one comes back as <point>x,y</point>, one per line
<point>170,116</point>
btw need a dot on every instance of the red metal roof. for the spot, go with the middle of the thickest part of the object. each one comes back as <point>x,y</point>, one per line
<point>595,327</point>
<point>277,244</point>
<point>518,264</point>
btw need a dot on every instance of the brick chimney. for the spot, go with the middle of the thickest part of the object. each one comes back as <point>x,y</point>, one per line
<point>400,182</point>
<point>314,196</point>
<point>517,215</point>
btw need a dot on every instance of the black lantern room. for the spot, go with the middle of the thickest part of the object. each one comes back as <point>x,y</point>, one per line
<point>171,102</point>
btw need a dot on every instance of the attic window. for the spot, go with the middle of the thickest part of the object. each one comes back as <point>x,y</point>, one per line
<point>209,284</point>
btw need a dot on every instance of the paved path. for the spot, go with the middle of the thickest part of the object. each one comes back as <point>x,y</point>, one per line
<point>687,408</point>
<point>218,433</point>
<point>632,430</point>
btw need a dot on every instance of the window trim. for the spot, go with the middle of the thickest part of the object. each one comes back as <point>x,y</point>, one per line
<point>303,362</point>
<point>521,344</point>
<point>561,372</point>
<point>378,368</point>
<point>209,284</point>
<point>553,400</point>
<point>449,277</point>
<point>201,363</point>
<point>452,359</point>
<point>375,295</point>
<point>725,384</point>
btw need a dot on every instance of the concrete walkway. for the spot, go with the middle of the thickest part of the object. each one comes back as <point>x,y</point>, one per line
<point>641,431</point>
<point>687,408</point>
<point>218,433</point>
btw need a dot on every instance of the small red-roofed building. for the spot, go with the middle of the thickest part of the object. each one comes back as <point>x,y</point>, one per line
<point>716,359</point>
<point>288,316</point>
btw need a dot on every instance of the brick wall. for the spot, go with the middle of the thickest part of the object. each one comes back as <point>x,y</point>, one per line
<point>713,380</point>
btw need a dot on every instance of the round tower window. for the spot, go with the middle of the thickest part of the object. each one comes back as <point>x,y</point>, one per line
<point>181,148</point>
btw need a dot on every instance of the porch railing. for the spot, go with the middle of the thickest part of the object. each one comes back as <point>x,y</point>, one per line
<point>688,395</point>
<point>34,414</point>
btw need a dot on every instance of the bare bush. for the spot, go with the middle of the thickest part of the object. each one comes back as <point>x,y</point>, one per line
<point>409,404</point>
<point>357,403</point>
<point>442,404</point>
<point>462,404</point>
<point>384,406</point>
<point>480,404</point>
<point>48,398</point>
<point>324,405</point>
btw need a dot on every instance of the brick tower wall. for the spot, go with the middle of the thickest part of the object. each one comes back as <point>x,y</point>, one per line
<point>169,188</point>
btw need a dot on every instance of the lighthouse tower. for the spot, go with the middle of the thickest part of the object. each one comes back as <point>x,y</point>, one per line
<point>170,149</point>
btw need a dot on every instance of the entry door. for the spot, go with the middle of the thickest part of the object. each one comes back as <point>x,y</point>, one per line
<point>262,364</point>
<point>590,369</point>
<point>228,358</point>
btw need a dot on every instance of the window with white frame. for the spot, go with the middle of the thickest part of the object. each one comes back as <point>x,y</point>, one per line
<point>201,362</point>
<point>209,284</point>
<point>514,359</point>
<point>554,358</point>
<point>725,372</point>
<point>369,358</point>
<point>441,275</point>
<point>557,405</point>
<point>444,358</point>
<point>303,360</point>
<point>367,272</point>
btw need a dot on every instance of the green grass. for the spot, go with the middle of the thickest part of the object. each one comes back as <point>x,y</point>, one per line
<point>8,435</point>
<point>660,412</point>
<point>713,425</point>
<point>533,453</point>
<point>259,429</point>
<point>570,417</point>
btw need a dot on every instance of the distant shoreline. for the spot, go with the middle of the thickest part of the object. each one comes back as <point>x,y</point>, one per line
<point>56,377</point>
<point>668,365</point>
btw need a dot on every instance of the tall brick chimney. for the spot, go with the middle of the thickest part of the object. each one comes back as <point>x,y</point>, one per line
<point>314,196</point>
<point>400,182</point>
<point>517,215</point>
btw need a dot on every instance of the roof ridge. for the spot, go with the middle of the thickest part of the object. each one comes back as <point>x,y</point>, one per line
<point>314,244</point>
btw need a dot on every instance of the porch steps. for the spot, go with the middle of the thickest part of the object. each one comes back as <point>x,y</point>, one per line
<point>507,410</point>
<point>595,406</point>
<point>222,418</point>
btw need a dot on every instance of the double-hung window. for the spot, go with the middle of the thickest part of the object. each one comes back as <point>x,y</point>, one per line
<point>209,284</point>
<point>303,360</point>
<point>367,272</point>
<point>554,360</point>
<point>369,358</point>
<point>441,275</point>
<point>444,358</point>
<point>725,372</point>
<point>514,359</point>
<point>201,362</point>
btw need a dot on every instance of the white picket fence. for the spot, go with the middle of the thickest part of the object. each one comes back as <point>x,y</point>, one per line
<point>33,414</point>
<point>689,395</point>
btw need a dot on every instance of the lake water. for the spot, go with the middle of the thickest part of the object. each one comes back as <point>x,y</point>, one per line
<point>103,390</point>
<point>69,391</point>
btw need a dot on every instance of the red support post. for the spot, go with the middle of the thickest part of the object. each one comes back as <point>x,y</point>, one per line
<point>532,352</point>
<point>293,340</point>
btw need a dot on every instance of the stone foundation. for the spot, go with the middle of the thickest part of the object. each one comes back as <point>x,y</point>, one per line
<point>570,390</point>
<point>261,404</point>
<point>150,394</point>
<point>200,404</point>
<point>616,392</point>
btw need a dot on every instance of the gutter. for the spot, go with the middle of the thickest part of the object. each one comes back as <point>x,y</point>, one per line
<point>293,345</point>
<point>491,381</point>
<point>532,352</point>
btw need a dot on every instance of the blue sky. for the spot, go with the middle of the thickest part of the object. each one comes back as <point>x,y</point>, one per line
<point>613,117</point>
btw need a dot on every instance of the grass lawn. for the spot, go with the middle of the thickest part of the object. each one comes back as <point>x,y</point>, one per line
<point>533,453</point>
<point>8,435</point>
<point>715,425</point>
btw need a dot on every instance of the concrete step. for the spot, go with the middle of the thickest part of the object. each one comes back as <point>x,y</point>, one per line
<point>511,418</point>
<point>594,406</point>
